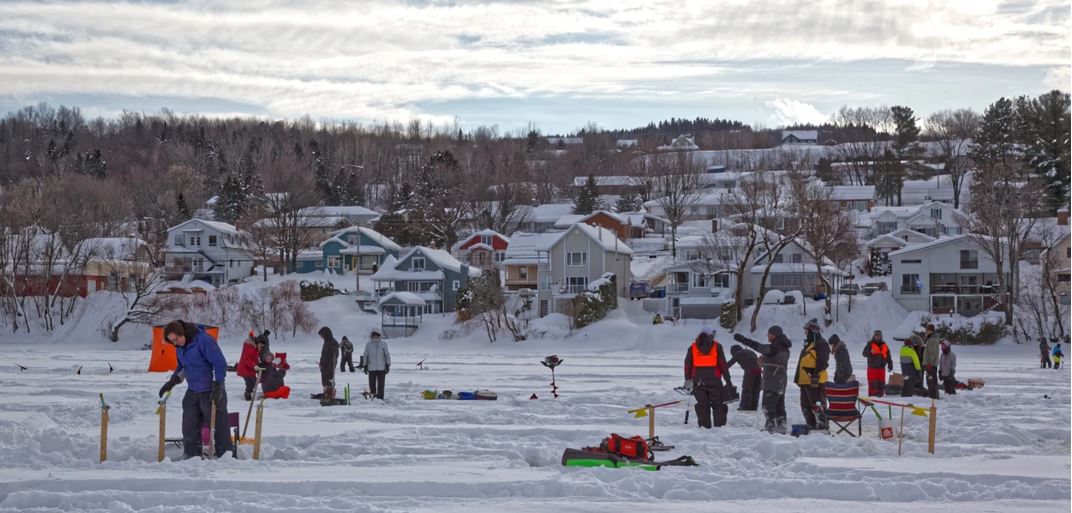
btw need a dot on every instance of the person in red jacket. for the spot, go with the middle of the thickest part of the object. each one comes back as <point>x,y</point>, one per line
<point>705,370</point>
<point>247,364</point>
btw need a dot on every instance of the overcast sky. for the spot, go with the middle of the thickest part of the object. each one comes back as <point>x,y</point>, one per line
<point>557,64</point>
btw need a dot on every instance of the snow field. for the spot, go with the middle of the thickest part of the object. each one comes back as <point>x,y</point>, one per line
<point>1002,448</point>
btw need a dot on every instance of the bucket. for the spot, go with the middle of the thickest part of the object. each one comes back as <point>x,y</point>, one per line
<point>799,429</point>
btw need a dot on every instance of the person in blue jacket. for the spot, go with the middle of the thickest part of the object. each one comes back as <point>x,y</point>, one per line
<point>202,365</point>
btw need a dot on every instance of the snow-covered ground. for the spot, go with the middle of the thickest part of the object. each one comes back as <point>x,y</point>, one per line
<point>1002,448</point>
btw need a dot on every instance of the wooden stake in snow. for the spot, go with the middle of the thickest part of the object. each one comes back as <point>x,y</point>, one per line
<point>932,427</point>
<point>257,431</point>
<point>161,411</point>
<point>103,430</point>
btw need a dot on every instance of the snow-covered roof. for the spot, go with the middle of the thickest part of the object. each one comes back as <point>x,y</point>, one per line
<point>801,135</point>
<point>308,221</point>
<point>363,250</point>
<point>702,300</point>
<point>524,247</point>
<point>389,272</point>
<point>887,240</point>
<point>605,238</point>
<point>550,212</point>
<point>219,226</point>
<point>683,142</point>
<point>445,260</point>
<point>487,232</point>
<point>380,238</point>
<point>310,255</point>
<point>790,267</point>
<point>340,211</point>
<point>913,248</point>
<point>122,248</point>
<point>569,220</point>
<point>906,233</point>
<point>852,192</point>
<point>405,298</point>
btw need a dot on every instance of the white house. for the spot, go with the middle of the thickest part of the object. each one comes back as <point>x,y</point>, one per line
<point>211,251</point>
<point>793,268</point>
<point>933,219</point>
<point>945,276</point>
<point>896,240</point>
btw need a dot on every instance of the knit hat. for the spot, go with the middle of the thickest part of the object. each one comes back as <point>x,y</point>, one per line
<point>775,330</point>
<point>813,325</point>
<point>834,339</point>
<point>707,330</point>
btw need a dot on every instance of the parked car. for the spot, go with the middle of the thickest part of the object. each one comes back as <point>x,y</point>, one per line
<point>849,289</point>
<point>871,288</point>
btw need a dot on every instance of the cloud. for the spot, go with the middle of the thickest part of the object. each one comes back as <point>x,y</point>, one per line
<point>787,111</point>
<point>376,60</point>
<point>1059,77</point>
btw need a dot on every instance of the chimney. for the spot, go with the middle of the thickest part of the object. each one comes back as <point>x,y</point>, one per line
<point>1062,216</point>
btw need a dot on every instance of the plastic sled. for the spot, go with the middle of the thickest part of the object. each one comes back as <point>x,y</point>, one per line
<point>282,392</point>
<point>467,396</point>
<point>593,458</point>
<point>486,395</point>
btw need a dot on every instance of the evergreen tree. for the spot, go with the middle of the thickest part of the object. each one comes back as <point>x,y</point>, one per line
<point>1045,135</point>
<point>905,146</point>
<point>229,200</point>
<point>587,197</point>
<point>628,202</point>
<point>995,141</point>
<point>181,206</point>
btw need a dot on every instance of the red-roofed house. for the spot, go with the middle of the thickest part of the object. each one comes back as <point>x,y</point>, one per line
<point>482,249</point>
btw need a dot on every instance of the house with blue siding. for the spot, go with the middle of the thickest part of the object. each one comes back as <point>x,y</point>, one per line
<point>344,250</point>
<point>432,274</point>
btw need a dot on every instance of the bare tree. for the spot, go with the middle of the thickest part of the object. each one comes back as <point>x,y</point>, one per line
<point>826,229</point>
<point>865,132</point>
<point>679,187</point>
<point>773,202</point>
<point>140,285</point>
<point>952,130</point>
<point>290,217</point>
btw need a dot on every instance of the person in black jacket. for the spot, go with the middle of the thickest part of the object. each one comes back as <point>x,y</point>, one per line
<point>1044,350</point>
<point>842,363</point>
<point>705,370</point>
<point>329,353</point>
<point>753,376</point>
<point>774,359</point>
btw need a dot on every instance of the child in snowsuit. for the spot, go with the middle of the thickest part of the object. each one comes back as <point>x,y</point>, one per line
<point>1057,355</point>
<point>376,362</point>
<point>878,362</point>
<point>947,368</point>
<point>271,375</point>
<point>753,376</point>
<point>774,359</point>
<point>247,364</point>
<point>910,367</point>
<point>811,375</point>
<point>347,349</point>
<point>705,370</point>
<point>842,363</point>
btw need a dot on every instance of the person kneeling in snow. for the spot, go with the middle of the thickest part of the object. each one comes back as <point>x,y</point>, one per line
<point>272,378</point>
<point>774,360</point>
<point>201,363</point>
<point>705,369</point>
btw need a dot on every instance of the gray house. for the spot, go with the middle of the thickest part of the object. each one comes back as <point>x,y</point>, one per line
<point>432,274</point>
<point>211,251</point>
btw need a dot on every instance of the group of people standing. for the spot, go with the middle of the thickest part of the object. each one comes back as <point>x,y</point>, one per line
<point>375,362</point>
<point>1045,351</point>
<point>766,369</point>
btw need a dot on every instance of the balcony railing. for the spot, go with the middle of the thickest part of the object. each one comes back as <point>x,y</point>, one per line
<point>677,288</point>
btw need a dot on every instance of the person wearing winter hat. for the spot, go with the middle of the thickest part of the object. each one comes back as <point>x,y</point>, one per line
<point>774,360</point>
<point>752,379</point>
<point>931,352</point>
<point>811,375</point>
<point>329,353</point>
<point>247,364</point>
<point>347,352</point>
<point>842,363</point>
<point>910,367</point>
<point>376,362</point>
<point>879,361</point>
<point>705,371</point>
<point>947,368</point>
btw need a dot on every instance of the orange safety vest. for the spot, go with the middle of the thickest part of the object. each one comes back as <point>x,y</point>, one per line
<point>885,351</point>
<point>705,360</point>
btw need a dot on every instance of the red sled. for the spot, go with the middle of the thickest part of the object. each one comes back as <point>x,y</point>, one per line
<point>282,392</point>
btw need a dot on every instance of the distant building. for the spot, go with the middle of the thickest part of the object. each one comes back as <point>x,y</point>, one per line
<point>946,276</point>
<point>211,251</point>
<point>800,137</point>
<point>432,274</point>
<point>682,142</point>
<point>484,249</point>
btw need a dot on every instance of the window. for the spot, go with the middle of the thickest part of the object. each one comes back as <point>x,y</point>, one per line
<point>523,273</point>
<point>113,282</point>
<point>969,259</point>
<point>486,240</point>
<point>333,262</point>
<point>577,284</point>
<point>416,264</point>
<point>352,239</point>
<point>194,239</point>
<point>212,241</point>
<point>500,256</point>
<point>912,261</point>
<point>413,286</point>
<point>779,258</point>
<point>936,213</point>
<point>910,284</point>
<point>796,258</point>
<point>230,263</point>
<point>455,285</point>
<point>721,280</point>
<point>882,227</point>
<point>577,258</point>
<point>698,280</point>
<point>178,240</point>
<point>319,264</point>
<point>692,254</point>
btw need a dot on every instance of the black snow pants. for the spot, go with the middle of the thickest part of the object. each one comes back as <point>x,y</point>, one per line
<point>376,380</point>
<point>932,381</point>
<point>949,383</point>
<point>750,392</point>
<point>197,412</point>
<point>251,386</point>
<point>709,403</point>
<point>910,382</point>
<point>811,404</point>
<point>1045,362</point>
<point>774,411</point>
<point>347,359</point>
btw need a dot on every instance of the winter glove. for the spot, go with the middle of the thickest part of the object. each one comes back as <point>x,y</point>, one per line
<point>171,382</point>
<point>386,369</point>
<point>738,337</point>
<point>814,380</point>
<point>217,391</point>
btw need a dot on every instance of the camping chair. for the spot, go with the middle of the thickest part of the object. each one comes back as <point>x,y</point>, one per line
<point>841,407</point>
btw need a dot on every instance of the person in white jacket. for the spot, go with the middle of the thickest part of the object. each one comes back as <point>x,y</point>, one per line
<point>947,368</point>
<point>376,362</point>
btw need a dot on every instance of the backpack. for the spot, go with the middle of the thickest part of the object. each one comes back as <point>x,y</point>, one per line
<point>635,447</point>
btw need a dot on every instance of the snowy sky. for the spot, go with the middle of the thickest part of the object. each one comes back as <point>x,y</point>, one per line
<point>557,64</point>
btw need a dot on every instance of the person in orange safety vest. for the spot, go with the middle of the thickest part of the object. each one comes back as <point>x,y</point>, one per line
<point>705,372</point>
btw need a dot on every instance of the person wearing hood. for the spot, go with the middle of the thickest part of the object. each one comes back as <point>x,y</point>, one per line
<point>247,364</point>
<point>910,367</point>
<point>931,351</point>
<point>842,363</point>
<point>1058,355</point>
<point>879,361</point>
<point>811,375</point>
<point>376,362</point>
<point>947,368</point>
<point>1044,353</point>
<point>705,370</point>
<point>753,376</point>
<point>329,353</point>
<point>774,359</point>
<point>347,349</point>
